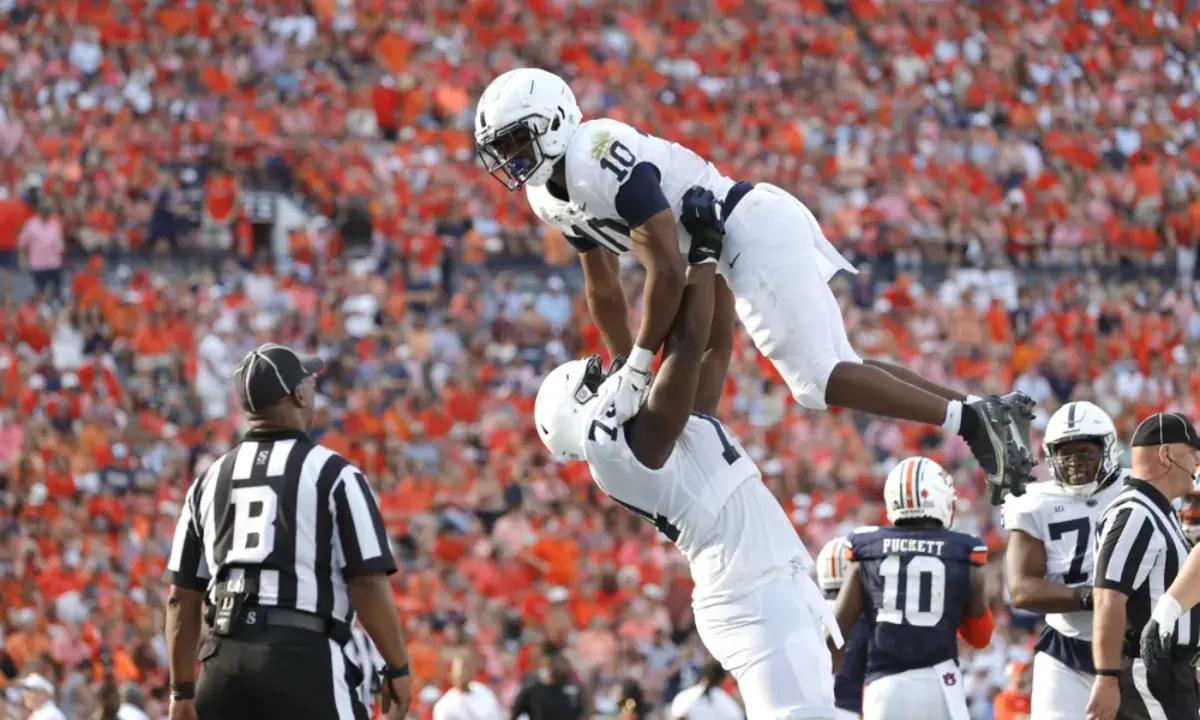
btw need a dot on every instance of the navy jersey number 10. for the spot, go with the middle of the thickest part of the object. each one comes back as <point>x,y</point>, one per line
<point>914,590</point>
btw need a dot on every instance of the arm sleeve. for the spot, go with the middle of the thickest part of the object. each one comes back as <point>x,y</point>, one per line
<point>640,197</point>
<point>359,527</point>
<point>1128,548</point>
<point>978,555</point>
<point>187,567</point>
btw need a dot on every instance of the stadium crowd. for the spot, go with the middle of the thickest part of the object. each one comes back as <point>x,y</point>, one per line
<point>1017,180</point>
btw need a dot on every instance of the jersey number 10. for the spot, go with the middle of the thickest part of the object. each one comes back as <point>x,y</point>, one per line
<point>911,586</point>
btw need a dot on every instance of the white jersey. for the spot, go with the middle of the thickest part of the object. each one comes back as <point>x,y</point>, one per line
<point>599,158</point>
<point>708,499</point>
<point>1066,526</point>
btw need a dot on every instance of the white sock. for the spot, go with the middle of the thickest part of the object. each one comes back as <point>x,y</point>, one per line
<point>953,421</point>
<point>972,398</point>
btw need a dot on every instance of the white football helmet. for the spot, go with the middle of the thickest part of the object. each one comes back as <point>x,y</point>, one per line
<point>1081,473</point>
<point>831,565</point>
<point>523,124</point>
<point>918,488</point>
<point>563,398</point>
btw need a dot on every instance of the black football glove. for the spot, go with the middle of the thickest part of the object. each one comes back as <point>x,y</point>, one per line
<point>1156,647</point>
<point>702,219</point>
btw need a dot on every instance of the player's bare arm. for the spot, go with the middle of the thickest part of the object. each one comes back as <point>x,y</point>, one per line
<point>653,431</point>
<point>847,608</point>
<point>606,300</point>
<point>657,249</point>
<point>1108,634</point>
<point>1025,566</point>
<point>184,612</point>
<point>715,364</point>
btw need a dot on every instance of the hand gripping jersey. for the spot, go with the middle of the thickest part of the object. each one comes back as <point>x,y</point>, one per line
<point>917,585</point>
<point>602,156</point>
<point>708,499</point>
<point>1066,526</point>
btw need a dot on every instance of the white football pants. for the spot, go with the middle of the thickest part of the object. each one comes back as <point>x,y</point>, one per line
<point>932,693</point>
<point>778,264</point>
<point>1059,693</point>
<point>772,640</point>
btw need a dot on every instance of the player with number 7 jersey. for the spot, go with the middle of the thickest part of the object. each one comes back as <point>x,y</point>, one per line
<point>1051,545</point>
<point>919,585</point>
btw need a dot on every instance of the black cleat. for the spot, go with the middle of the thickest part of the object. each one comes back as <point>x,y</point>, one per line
<point>1021,462</point>
<point>990,442</point>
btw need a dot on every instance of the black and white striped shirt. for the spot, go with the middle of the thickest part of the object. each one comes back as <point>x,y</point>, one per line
<point>285,518</point>
<point>1140,548</point>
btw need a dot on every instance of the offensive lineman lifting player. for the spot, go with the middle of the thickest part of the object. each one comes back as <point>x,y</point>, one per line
<point>612,190</point>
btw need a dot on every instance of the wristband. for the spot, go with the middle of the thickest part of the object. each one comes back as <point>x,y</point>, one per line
<point>1083,596</point>
<point>391,672</point>
<point>639,359</point>
<point>1166,611</point>
<point>1108,673</point>
<point>183,690</point>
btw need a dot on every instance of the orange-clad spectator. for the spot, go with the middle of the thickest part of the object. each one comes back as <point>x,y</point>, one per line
<point>13,214</point>
<point>220,204</point>
<point>1013,703</point>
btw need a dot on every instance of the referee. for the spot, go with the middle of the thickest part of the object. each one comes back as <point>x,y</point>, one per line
<point>283,539</point>
<point>1141,548</point>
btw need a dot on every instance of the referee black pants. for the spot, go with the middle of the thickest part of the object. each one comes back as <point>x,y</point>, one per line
<point>1168,694</point>
<point>277,672</point>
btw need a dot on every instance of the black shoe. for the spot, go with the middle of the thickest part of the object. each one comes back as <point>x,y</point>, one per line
<point>991,442</point>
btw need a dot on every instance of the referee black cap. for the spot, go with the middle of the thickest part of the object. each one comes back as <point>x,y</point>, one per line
<point>271,372</point>
<point>1165,429</point>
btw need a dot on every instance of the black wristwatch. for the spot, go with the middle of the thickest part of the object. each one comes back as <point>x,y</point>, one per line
<point>391,672</point>
<point>183,691</point>
<point>388,673</point>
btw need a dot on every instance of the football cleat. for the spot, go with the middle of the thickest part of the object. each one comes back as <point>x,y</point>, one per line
<point>1020,417</point>
<point>1005,462</point>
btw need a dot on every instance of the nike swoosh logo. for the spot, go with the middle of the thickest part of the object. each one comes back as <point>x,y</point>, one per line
<point>735,259</point>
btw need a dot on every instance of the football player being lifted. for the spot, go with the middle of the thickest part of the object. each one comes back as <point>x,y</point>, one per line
<point>1050,552</point>
<point>920,586</point>
<point>613,190</point>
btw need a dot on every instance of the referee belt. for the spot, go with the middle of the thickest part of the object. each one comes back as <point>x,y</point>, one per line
<point>267,616</point>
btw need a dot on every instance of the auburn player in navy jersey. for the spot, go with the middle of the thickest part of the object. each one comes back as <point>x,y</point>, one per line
<point>918,585</point>
<point>848,683</point>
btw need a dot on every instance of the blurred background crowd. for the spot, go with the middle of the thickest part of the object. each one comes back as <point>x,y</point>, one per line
<point>1017,182</point>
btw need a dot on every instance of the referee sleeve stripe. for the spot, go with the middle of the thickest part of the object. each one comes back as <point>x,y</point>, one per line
<point>1120,534</point>
<point>186,566</point>
<point>361,515</point>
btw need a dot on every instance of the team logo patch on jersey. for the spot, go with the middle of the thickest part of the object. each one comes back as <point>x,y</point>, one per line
<point>950,679</point>
<point>601,145</point>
